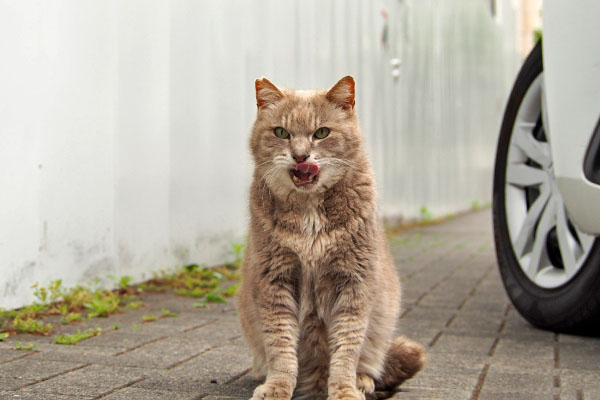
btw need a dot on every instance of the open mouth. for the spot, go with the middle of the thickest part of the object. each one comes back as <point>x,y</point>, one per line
<point>305,174</point>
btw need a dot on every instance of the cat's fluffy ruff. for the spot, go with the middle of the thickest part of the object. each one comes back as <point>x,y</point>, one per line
<point>319,297</point>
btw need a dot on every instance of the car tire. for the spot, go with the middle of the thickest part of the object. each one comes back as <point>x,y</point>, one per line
<point>552,288</point>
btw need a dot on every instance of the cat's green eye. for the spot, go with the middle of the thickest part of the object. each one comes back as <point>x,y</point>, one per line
<point>322,133</point>
<point>281,133</point>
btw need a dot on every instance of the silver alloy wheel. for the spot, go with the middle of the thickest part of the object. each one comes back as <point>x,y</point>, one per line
<point>550,250</point>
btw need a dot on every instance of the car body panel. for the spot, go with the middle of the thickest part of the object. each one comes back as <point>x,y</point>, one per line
<point>572,94</point>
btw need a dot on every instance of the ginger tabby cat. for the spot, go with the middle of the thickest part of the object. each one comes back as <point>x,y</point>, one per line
<point>319,298</point>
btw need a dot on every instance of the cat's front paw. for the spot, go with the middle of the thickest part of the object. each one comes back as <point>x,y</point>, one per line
<point>345,393</point>
<point>273,390</point>
<point>365,383</point>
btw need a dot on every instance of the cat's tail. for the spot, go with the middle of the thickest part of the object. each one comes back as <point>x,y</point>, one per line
<point>403,360</point>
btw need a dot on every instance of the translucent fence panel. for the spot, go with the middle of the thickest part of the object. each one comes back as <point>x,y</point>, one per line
<point>124,124</point>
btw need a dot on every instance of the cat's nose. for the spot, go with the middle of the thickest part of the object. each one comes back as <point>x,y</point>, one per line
<point>300,157</point>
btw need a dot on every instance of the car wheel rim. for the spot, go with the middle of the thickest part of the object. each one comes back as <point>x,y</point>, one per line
<point>549,248</point>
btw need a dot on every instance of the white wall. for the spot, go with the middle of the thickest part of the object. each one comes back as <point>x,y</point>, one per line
<point>124,124</point>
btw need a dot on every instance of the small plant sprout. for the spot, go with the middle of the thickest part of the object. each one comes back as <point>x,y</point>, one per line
<point>77,337</point>
<point>4,335</point>
<point>29,325</point>
<point>135,326</point>
<point>231,290</point>
<point>28,346</point>
<point>115,327</point>
<point>103,304</point>
<point>123,283</point>
<point>135,304</point>
<point>70,317</point>
<point>149,318</point>
<point>424,214</point>
<point>166,313</point>
<point>211,297</point>
<point>238,251</point>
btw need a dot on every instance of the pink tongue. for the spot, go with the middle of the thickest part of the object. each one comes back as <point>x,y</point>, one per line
<point>308,168</point>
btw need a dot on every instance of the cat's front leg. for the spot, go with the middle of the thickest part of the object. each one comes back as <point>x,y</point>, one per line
<point>349,320</point>
<point>279,313</point>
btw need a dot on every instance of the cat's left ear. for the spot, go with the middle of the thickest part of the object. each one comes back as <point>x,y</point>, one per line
<point>266,93</point>
<point>342,94</point>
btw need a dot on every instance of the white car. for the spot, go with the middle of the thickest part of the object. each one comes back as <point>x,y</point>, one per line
<point>546,194</point>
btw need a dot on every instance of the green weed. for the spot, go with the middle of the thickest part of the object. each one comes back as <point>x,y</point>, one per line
<point>231,290</point>
<point>424,214</point>
<point>70,317</point>
<point>167,313</point>
<point>29,325</point>
<point>4,335</point>
<point>123,283</point>
<point>211,297</point>
<point>135,304</point>
<point>77,337</point>
<point>149,318</point>
<point>103,304</point>
<point>28,346</point>
<point>238,252</point>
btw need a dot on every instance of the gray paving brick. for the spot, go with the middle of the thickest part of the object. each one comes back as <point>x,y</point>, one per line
<point>449,343</point>
<point>426,393</point>
<point>475,323</point>
<point>8,354</point>
<point>74,353</point>
<point>162,354</point>
<point>581,356</point>
<point>36,396</point>
<point>36,369</point>
<point>586,381</point>
<point>136,393</point>
<point>92,381</point>
<point>11,383</point>
<point>499,379</point>
<point>523,356</point>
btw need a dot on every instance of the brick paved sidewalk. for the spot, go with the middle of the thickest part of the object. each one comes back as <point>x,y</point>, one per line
<point>478,346</point>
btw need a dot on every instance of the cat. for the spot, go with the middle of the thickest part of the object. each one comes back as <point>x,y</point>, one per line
<point>319,297</point>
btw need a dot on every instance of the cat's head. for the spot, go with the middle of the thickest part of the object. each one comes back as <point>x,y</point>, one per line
<point>305,140</point>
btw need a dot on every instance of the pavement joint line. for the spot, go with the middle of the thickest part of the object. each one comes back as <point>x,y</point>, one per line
<point>579,394</point>
<point>501,327</point>
<point>175,364</point>
<point>193,328</point>
<point>493,347</point>
<point>236,377</point>
<point>130,383</point>
<point>405,312</point>
<point>508,309</point>
<point>556,357</point>
<point>556,397</point>
<point>480,382</point>
<point>139,345</point>
<point>435,339</point>
<point>449,322</point>
<point>19,357</point>
<point>556,379</point>
<point>55,375</point>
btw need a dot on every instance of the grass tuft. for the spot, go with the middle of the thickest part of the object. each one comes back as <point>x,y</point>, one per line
<point>77,337</point>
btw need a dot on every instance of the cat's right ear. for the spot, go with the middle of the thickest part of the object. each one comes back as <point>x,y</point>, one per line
<point>266,93</point>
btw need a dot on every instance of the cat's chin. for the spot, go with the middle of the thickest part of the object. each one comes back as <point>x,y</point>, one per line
<point>304,185</point>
